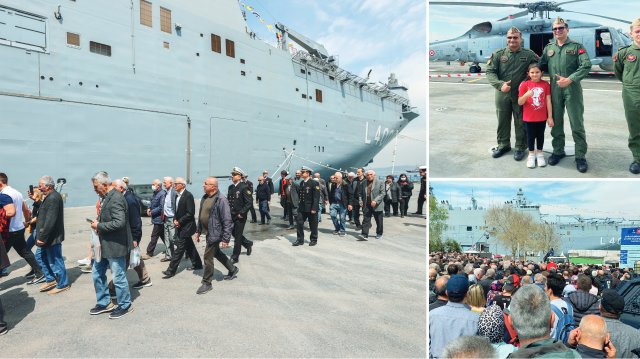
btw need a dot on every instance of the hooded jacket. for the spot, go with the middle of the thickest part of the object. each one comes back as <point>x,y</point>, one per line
<point>583,304</point>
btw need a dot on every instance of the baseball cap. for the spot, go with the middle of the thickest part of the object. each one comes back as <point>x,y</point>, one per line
<point>457,286</point>
<point>511,283</point>
<point>612,302</point>
<point>529,272</point>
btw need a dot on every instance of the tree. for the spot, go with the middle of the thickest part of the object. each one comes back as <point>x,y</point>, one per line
<point>544,237</point>
<point>436,245</point>
<point>451,245</point>
<point>512,228</point>
<point>438,216</point>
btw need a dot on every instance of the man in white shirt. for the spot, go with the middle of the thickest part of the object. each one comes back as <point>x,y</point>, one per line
<point>16,230</point>
<point>168,214</point>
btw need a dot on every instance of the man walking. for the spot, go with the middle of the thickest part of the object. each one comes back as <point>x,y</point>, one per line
<point>309,195</point>
<point>168,213</point>
<point>263,199</point>
<point>49,238</point>
<point>627,70</point>
<point>324,195</point>
<point>185,224</point>
<point>112,227</point>
<point>292,200</point>
<point>370,199</point>
<point>506,70</point>
<point>356,193</point>
<point>267,180</point>
<point>391,194</point>
<point>282,195</point>
<point>568,63</point>
<point>422,196</point>
<point>155,211</point>
<point>249,184</point>
<point>341,199</point>
<point>239,197</point>
<point>215,225</point>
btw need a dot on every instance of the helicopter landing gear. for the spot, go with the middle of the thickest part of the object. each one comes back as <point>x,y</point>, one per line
<point>474,69</point>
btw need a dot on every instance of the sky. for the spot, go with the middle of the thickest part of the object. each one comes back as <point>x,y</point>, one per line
<point>380,35</point>
<point>594,199</point>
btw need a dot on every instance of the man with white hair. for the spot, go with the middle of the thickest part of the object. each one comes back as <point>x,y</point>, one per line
<point>469,346</point>
<point>168,214</point>
<point>155,211</point>
<point>370,197</point>
<point>356,196</point>
<point>340,198</point>
<point>349,178</point>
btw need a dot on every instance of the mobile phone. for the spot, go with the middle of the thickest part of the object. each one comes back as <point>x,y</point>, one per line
<point>89,220</point>
<point>31,189</point>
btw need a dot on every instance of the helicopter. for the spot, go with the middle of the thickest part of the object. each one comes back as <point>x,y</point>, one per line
<point>477,44</point>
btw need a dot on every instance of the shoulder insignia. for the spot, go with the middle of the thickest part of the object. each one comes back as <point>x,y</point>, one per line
<point>623,47</point>
<point>582,51</point>
<point>631,57</point>
<point>317,187</point>
<point>574,40</point>
<point>249,192</point>
<point>489,62</point>
<point>615,57</point>
<point>491,55</point>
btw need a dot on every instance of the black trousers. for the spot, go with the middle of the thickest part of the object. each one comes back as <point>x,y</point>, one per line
<point>389,203</point>
<point>185,245</point>
<point>313,224</point>
<point>356,215</point>
<point>421,201</point>
<point>253,213</point>
<point>367,212</point>
<point>239,240</point>
<point>535,134</point>
<point>288,212</point>
<point>16,240</point>
<point>404,205</point>
<point>3,324</point>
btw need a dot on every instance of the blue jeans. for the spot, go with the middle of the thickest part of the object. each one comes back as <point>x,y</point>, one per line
<point>264,210</point>
<point>118,273</point>
<point>319,212</point>
<point>31,241</point>
<point>335,210</point>
<point>52,264</point>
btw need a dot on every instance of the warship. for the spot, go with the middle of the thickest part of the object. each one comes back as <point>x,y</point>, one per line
<point>467,226</point>
<point>147,89</point>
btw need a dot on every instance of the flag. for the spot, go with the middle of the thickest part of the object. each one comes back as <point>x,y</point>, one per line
<point>255,13</point>
<point>249,8</point>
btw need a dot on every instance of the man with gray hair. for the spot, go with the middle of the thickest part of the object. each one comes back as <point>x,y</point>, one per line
<point>486,282</point>
<point>469,346</point>
<point>169,209</point>
<point>155,211</point>
<point>531,316</point>
<point>340,198</point>
<point>371,197</point>
<point>539,280</point>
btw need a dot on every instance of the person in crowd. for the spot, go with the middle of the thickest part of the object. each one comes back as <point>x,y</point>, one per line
<point>37,197</point>
<point>433,275</point>
<point>406,189</point>
<point>155,211</point>
<point>215,225</point>
<point>282,194</point>
<point>526,280</point>
<point>453,320</point>
<point>469,346</point>
<point>49,238</point>
<point>15,238</point>
<point>135,224</point>
<point>309,199</point>
<point>391,194</point>
<point>350,178</point>
<point>469,271</point>
<point>185,223</point>
<point>486,282</point>
<point>249,184</point>
<point>263,199</point>
<point>539,279</point>
<point>324,195</point>
<point>563,312</point>
<point>591,339</point>
<point>341,199</point>
<point>496,289</point>
<point>126,184</point>
<point>422,196</point>
<point>292,200</point>
<point>371,198</point>
<point>298,177</point>
<point>625,337</point>
<point>267,180</point>
<point>552,264</point>
<point>168,215</point>
<point>583,302</point>
<point>116,243</point>
<point>491,326</point>
<point>504,299</point>
<point>239,197</point>
<point>477,299</point>
<point>441,293</point>
<point>7,211</point>
<point>356,197</point>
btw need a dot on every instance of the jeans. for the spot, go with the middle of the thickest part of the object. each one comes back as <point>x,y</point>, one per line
<point>141,271</point>
<point>31,241</point>
<point>169,233</point>
<point>264,210</point>
<point>338,209</point>
<point>319,212</point>
<point>53,267</point>
<point>118,273</point>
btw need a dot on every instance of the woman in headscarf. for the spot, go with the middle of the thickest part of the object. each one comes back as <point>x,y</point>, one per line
<point>491,326</point>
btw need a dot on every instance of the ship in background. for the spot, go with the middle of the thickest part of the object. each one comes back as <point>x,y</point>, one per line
<point>148,89</point>
<point>467,226</point>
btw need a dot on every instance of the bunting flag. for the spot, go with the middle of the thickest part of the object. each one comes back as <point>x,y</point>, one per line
<point>249,8</point>
<point>269,27</point>
<point>256,14</point>
<point>593,210</point>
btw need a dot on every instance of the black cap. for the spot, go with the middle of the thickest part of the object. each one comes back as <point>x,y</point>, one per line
<point>612,302</point>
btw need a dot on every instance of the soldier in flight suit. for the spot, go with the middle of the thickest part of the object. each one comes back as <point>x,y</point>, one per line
<point>309,197</point>
<point>506,69</point>
<point>567,63</point>
<point>240,199</point>
<point>627,69</point>
<point>422,196</point>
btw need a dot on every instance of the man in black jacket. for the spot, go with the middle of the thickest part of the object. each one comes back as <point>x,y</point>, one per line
<point>282,195</point>
<point>422,196</point>
<point>356,193</point>
<point>249,184</point>
<point>341,199</point>
<point>309,195</point>
<point>240,199</point>
<point>49,238</point>
<point>263,199</point>
<point>268,180</point>
<point>185,222</point>
<point>291,198</point>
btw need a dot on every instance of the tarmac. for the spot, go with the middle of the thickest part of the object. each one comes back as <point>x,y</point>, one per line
<point>463,124</point>
<point>341,298</point>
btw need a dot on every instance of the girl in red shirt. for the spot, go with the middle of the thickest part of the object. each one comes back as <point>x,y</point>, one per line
<point>535,99</point>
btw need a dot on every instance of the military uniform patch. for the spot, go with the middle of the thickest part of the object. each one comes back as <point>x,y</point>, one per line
<point>504,58</point>
<point>490,57</point>
<point>615,57</point>
<point>317,187</point>
<point>631,57</point>
<point>249,192</point>
<point>489,62</point>
<point>523,59</point>
<point>550,53</point>
<point>570,52</point>
<point>582,51</point>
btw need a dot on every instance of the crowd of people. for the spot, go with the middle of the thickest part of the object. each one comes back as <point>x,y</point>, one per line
<point>117,227</point>
<point>491,308</point>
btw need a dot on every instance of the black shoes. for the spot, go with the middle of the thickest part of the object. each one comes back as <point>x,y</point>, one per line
<point>249,250</point>
<point>420,213</point>
<point>635,168</point>
<point>313,243</point>
<point>268,221</point>
<point>358,228</point>
<point>141,285</point>
<point>167,274</point>
<point>518,156</point>
<point>204,289</point>
<point>298,243</point>
<point>260,223</point>
<point>252,221</point>
<point>501,151</point>
<point>119,312</point>
<point>31,274</point>
<point>554,159</point>
<point>98,309</point>
<point>231,274</point>
<point>194,268</point>
<point>292,227</point>
<point>234,261</point>
<point>581,165</point>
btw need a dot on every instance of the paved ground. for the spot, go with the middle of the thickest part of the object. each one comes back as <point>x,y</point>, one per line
<point>462,129</point>
<point>341,298</point>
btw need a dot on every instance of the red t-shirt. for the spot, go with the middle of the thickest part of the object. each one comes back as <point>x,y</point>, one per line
<point>552,265</point>
<point>535,109</point>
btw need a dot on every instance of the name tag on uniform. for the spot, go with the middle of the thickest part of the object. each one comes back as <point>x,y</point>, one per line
<point>523,59</point>
<point>238,194</point>
<point>570,52</point>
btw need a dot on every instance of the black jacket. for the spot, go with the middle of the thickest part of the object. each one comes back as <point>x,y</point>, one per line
<point>263,192</point>
<point>50,222</point>
<point>347,193</point>
<point>135,223</point>
<point>423,185</point>
<point>583,303</point>
<point>250,185</point>
<point>406,190</point>
<point>309,195</point>
<point>240,200</point>
<point>269,182</point>
<point>185,215</point>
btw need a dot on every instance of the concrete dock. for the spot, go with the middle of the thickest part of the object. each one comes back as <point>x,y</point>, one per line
<point>463,123</point>
<point>341,298</point>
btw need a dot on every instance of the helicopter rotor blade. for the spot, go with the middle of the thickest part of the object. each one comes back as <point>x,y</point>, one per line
<point>606,17</point>
<point>567,2</point>
<point>488,4</point>
<point>516,15</point>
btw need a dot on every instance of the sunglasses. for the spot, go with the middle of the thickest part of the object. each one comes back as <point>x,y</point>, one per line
<point>513,37</point>
<point>560,28</point>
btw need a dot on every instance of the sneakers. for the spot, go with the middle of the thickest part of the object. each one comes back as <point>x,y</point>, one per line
<point>48,286</point>
<point>37,280</point>
<point>378,236</point>
<point>31,274</point>
<point>140,285</point>
<point>146,256</point>
<point>335,233</point>
<point>98,309</point>
<point>531,160</point>
<point>85,261</point>
<point>540,159</point>
<point>4,331</point>
<point>119,312</point>
<point>87,269</point>
<point>362,237</point>
<point>58,290</point>
<point>231,274</point>
<point>204,289</point>
<point>342,234</point>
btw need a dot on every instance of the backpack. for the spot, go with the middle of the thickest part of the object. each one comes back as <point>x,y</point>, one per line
<point>566,323</point>
<point>515,341</point>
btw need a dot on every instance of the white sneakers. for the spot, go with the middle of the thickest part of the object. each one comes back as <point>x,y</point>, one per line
<point>84,261</point>
<point>533,157</point>
<point>540,159</point>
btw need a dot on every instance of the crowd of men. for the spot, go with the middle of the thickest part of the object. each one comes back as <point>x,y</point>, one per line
<point>490,308</point>
<point>117,227</point>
